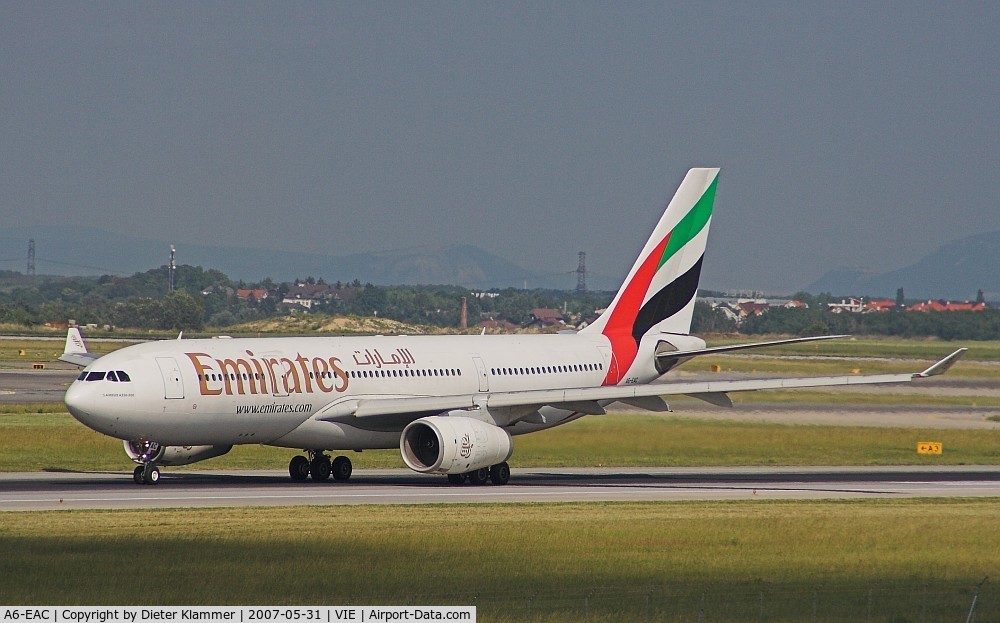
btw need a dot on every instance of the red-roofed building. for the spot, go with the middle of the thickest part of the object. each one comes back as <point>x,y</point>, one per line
<point>546,317</point>
<point>252,295</point>
<point>752,308</point>
<point>948,306</point>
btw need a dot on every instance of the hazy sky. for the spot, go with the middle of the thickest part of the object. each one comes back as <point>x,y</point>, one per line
<point>849,133</point>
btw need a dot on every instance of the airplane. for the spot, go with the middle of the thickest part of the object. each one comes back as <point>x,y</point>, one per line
<point>451,404</point>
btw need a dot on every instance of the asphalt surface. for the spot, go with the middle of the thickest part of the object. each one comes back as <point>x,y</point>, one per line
<point>187,489</point>
<point>22,386</point>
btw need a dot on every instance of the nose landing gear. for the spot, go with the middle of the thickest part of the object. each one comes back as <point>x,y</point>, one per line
<point>145,453</point>
<point>147,474</point>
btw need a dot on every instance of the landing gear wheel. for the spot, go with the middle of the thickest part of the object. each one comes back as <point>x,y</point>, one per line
<point>500,473</point>
<point>150,474</point>
<point>342,468</point>
<point>137,474</point>
<point>479,476</point>
<point>319,468</point>
<point>456,479</point>
<point>298,467</point>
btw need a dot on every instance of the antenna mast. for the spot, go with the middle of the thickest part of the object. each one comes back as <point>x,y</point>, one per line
<point>31,257</point>
<point>173,267</point>
<point>581,273</point>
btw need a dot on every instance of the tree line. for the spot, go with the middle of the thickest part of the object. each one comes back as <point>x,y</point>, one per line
<point>205,298</point>
<point>955,325</point>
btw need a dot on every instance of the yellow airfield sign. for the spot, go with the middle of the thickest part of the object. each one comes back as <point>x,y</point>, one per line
<point>929,447</point>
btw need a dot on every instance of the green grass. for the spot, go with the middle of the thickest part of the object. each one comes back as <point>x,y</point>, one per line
<point>29,410</point>
<point>31,441</point>
<point>649,440</point>
<point>45,351</point>
<point>735,561</point>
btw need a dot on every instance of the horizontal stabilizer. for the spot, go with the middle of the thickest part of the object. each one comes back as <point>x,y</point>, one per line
<point>79,360</point>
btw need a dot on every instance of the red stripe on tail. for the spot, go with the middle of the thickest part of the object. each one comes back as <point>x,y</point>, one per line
<point>619,327</point>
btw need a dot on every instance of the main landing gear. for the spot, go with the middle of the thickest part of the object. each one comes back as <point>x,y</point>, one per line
<point>498,474</point>
<point>320,467</point>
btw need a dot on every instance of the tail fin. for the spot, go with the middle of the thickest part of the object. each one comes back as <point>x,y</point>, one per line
<point>659,292</point>
<point>75,351</point>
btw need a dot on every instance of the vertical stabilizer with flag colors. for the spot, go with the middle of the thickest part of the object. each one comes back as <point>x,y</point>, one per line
<point>658,294</point>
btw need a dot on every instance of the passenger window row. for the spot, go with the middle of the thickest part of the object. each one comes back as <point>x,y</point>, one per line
<point>351,373</point>
<point>576,367</point>
<point>405,372</point>
<point>255,376</point>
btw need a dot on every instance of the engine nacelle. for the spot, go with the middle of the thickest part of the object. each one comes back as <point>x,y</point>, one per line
<point>152,452</point>
<point>453,445</point>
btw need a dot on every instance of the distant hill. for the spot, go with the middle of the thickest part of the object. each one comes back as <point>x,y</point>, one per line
<point>74,250</point>
<point>954,271</point>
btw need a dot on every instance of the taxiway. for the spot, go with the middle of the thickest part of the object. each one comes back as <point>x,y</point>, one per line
<point>194,489</point>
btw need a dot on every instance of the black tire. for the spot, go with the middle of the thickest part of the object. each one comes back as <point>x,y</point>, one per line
<point>298,468</point>
<point>342,468</point>
<point>500,474</point>
<point>479,476</point>
<point>137,474</point>
<point>151,475</point>
<point>456,479</point>
<point>319,468</point>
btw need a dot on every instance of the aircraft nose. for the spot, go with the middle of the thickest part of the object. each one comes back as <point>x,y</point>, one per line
<point>84,401</point>
<point>80,401</point>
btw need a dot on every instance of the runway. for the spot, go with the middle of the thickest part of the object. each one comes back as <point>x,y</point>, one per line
<point>197,489</point>
<point>21,386</point>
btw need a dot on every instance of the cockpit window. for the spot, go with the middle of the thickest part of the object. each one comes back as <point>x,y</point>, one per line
<point>117,376</point>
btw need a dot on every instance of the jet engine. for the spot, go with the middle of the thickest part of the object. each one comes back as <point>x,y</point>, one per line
<point>453,445</point>
<point>152,452</point>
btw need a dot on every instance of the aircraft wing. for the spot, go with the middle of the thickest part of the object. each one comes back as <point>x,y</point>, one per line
<point>75,351</point>
<point>683,354</point>
<point>587,400</point>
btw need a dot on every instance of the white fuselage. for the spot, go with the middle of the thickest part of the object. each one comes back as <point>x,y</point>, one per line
<point>225,391</point>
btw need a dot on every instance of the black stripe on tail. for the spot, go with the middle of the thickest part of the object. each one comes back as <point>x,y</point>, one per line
<point>668,301</point>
